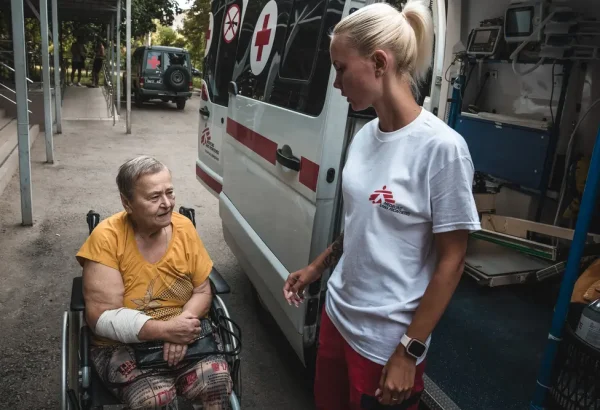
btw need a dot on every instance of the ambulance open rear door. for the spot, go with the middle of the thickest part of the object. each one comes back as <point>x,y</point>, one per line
<point>225,21</point>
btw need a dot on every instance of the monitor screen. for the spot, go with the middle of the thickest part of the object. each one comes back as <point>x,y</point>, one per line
<point>519,22</point>
<point>482,37</point>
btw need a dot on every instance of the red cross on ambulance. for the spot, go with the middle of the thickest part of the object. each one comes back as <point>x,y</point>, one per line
<point>209,33</point>
<point>263,38</point>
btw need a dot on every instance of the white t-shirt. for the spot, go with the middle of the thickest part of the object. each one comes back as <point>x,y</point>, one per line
<point>399,189</point>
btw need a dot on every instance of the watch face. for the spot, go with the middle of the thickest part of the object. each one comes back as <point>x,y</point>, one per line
<point>416,348</point>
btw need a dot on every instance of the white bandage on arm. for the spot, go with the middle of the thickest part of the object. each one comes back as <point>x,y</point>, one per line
<point>121,324</point>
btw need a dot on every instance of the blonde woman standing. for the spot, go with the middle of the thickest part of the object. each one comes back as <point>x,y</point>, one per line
<point>408,212</point>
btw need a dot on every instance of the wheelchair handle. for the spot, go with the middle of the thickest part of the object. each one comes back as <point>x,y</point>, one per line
<point>93,219</point>
<point>189,212</point>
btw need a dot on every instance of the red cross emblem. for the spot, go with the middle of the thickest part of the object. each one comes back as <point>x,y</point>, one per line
<point>263,37</point>
<point>154,62</point>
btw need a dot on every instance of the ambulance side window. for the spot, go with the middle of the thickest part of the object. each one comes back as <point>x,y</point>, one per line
<point>308,95</point>
<point>257,86</point>
<point>297,74</point>
<point>302,39</point>
<point>226,52</point>
<point>217,87</point>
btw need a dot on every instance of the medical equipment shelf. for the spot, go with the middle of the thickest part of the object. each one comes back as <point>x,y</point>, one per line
<point>491,143</point>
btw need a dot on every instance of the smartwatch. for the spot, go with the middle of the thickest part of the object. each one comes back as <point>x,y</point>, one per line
<point>413,347</point>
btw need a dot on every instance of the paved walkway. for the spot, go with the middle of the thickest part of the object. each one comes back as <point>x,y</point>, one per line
<point>84,103</point>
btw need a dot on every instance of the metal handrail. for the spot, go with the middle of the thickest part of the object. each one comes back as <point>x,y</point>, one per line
<point>108,91</point>
<point>10,89</point>
<point>13,70</point>
<point>14,102</point>
<point>33,59</point>
<point>13,91</point>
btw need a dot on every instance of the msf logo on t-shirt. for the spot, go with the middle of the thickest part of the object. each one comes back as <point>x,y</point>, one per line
<point>385,199</point>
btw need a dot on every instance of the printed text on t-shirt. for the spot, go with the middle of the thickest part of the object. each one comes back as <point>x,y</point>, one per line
<point>385,199</point>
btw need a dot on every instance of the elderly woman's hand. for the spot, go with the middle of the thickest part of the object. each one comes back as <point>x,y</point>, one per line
<point>182,329</point>
<point>173,353</point>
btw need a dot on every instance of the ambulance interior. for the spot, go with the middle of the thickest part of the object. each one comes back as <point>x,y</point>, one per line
<point>529,125</point>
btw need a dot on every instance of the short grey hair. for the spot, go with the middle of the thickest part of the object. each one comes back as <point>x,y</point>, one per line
<point>135,168</point>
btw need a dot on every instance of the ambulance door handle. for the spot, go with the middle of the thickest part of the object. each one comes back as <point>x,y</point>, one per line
<point>233,88</point>
<point>286,158</point>
<point>204,112</point>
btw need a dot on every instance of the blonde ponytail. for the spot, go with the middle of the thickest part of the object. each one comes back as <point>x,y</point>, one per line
<point>419,18</point>
<point>408,35</point>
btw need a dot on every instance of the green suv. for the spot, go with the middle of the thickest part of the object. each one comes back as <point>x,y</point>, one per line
<point>161,73</point>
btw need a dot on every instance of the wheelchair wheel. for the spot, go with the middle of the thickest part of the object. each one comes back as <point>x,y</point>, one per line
<point>71,378</point>
<point>230,343</point>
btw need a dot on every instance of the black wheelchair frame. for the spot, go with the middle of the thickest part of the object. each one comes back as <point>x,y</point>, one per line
<point>82,388</point>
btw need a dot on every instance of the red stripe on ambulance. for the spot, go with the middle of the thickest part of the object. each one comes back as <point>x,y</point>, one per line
<point>309,171</point>
<point>208,180</point>
<point>253,140</point>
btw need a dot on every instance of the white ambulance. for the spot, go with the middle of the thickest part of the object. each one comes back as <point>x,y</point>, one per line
<point>272,138</point>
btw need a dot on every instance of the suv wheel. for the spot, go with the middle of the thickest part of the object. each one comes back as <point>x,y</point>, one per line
<point>180,103</point>
<point>177,78</point>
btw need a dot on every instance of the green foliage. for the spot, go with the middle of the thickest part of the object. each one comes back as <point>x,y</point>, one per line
<point>194,29</point>
<point>166,36</point>
<point>89,33</point>
<point>145,14</point>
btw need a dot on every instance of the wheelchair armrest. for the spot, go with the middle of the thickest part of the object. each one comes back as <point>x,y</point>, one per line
<point>217,283</point>
<point>77,302</point>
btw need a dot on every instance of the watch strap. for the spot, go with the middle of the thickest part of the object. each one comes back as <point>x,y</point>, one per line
<point>405,340</point>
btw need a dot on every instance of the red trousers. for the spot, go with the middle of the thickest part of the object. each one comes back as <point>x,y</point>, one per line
<point>343,376</point>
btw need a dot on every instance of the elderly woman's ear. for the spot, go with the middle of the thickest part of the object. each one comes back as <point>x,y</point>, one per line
<point>125,203</point>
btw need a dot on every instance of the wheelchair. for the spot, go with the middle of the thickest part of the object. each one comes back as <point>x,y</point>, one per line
<point>81,386</point>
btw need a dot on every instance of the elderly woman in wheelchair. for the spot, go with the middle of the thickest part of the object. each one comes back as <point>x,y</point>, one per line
<point>147,299</point>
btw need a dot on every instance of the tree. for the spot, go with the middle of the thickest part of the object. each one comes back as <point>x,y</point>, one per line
<point>146,14</point>
<point>194,29</point>
<point>166,36</point>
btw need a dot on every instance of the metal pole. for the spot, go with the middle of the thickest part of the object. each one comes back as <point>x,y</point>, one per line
<point>439,20</point>
<point>33,10</point>
<point>18,30</point>
<point>456,104</point>
<point>57,84</point>
<point>114,52</point>
<point>119,57</point>
<point>554,136</point>
<point>113,63</point>
<point>582,226</point>
<point>128,44</point>
<point>108,50</point>
<point>46,82</point>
